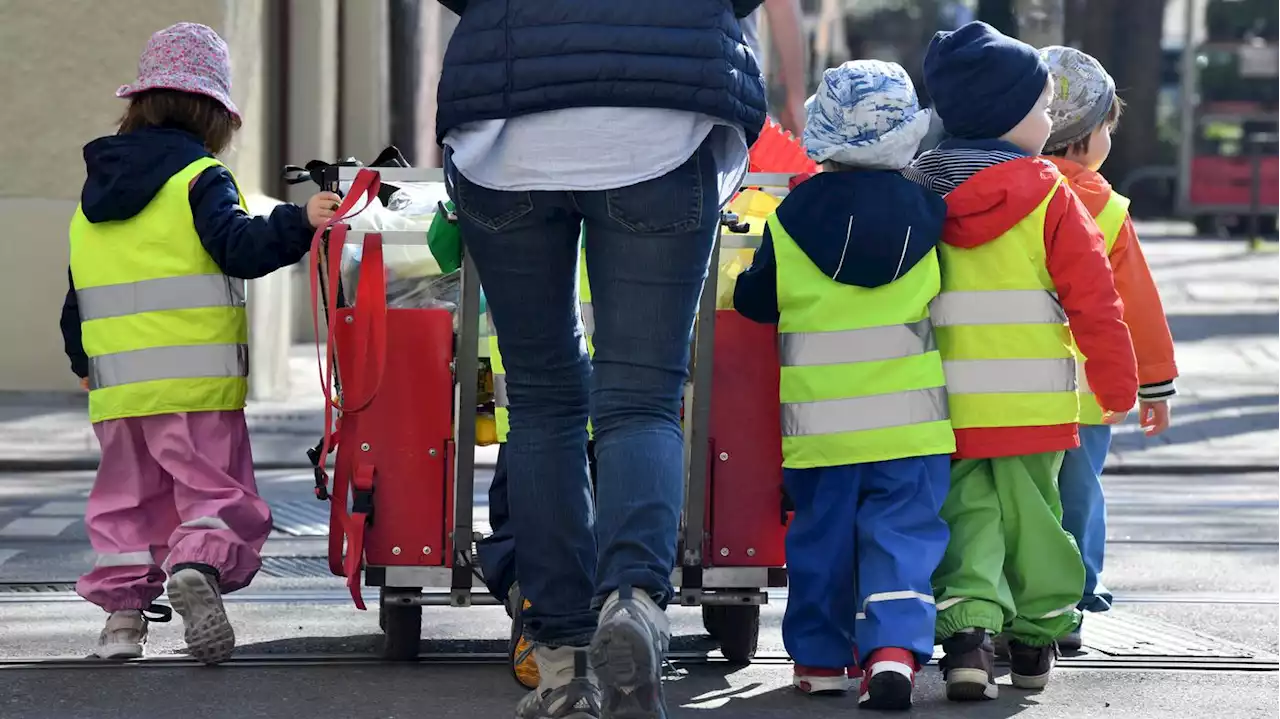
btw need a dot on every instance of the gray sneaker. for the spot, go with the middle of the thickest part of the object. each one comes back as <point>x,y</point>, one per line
<point>126,632</point>
<point>565,690</point>
<point>123,636</point>
<point>196,597</point>
<point>626,654</point>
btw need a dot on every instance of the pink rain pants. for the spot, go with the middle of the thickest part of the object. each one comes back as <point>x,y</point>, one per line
<point>172,489</point>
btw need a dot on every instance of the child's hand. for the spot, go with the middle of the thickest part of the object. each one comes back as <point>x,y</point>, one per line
<point>84,383</point>
<point>320,208</point>
<point>1153,416</point>
<point>1109,417</point>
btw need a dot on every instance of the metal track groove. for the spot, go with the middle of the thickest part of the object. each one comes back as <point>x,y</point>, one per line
<point>176,661</point>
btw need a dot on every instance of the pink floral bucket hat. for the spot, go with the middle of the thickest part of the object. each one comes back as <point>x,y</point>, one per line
<point>187,57</point>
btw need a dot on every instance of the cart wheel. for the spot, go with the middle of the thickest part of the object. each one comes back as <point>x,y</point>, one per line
<point>738,630</point>
<point>711,620</point>
<point>402,628</point>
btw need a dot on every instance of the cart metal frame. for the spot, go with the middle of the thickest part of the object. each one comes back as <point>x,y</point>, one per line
<point>730,595</point>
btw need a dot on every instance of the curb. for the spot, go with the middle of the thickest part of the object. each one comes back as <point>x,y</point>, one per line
<point>1189,469</point>
<point>89,464</point>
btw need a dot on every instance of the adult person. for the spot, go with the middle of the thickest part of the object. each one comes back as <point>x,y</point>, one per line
<point>788,40</point>
<point>634,118</point>
<point>496,553</point>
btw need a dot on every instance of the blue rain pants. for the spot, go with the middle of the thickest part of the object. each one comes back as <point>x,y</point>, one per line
<point>861,550</point>
<point>1084,509</point>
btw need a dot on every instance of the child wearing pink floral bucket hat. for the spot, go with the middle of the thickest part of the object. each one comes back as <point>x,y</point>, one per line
<point>154,325</point>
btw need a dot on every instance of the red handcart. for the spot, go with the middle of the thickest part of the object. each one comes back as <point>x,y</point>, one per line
<point>404,398</point>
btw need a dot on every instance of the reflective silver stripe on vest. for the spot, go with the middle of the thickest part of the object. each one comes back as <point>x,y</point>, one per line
<point>158,363</point>
<point>997,307</point>
<point>856,414</point>
<point>1081,380</point>
<point>500,390</point>
<point>869,344</point>
<point>995,376</point>
<point>588,318</point>
<point>168,293</point>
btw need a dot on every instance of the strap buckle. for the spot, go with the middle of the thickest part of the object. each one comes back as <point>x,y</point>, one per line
<point>317,467</point>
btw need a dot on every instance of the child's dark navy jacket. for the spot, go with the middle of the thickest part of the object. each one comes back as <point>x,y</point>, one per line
<point>126,171</point>
<point>852,226</point>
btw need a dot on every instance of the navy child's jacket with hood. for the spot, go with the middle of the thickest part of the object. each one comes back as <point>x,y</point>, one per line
<point>124,174</point>
<point>864,228</point>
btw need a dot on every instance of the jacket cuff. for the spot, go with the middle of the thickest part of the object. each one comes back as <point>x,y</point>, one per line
<point>1157,391</point>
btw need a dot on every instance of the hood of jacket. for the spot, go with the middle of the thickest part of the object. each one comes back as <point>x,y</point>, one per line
<point>863,227</point>
<point>124,172</point>
<point>1092,188</point>
<point>994,199</point>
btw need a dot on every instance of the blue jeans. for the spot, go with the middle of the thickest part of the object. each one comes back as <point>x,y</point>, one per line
<point>496,553</point>
<point>1084,509</point>
<point>648,247</point>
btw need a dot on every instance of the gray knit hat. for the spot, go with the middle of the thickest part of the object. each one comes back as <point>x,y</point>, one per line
<point>1082,95</point>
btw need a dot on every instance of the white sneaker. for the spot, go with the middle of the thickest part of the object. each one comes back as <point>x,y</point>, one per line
<point>196,597</point>
<point>566,688</point>
<point>627,652</point>
<point>123,636</point>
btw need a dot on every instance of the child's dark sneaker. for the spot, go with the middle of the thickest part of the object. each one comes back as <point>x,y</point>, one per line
<point>1073,641</point>
<point>822,681</point>
<point>520,646</point>
<point>195,596</point>
<point>969,666</point>
<point>1001,645</point>
<point>888,680</point>
<point>1030,666</point>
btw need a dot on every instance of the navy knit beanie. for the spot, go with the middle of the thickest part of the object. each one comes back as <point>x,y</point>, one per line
<point>982,83</point>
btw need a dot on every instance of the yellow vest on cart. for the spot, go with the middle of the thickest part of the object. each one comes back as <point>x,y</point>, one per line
<point>164,329</point>
<point>1005,344</point>
<point>501,410</point>
<point>1110,220</point>
<point>861,377</point>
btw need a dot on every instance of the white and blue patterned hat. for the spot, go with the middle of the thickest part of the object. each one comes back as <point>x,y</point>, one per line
<point>866,115</point>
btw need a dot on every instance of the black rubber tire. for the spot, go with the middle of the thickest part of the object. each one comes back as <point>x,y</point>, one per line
<point>711,621</point>
<point>382,608</point>
<point>738,629</point>
<point>1207,225</point>
<point>402,631</point>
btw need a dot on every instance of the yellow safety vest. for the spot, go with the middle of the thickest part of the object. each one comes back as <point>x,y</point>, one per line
<point>862,379</point>
<point>165,330</point>
<point>501,412</point>
<point>1005,344</point>
<point>1110,220</point>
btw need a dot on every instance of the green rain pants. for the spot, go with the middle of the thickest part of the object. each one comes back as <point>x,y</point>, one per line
<point>1009,566</point>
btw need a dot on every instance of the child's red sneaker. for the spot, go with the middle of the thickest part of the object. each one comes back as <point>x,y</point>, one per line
<point>819,680</point>
<point>888,680</point>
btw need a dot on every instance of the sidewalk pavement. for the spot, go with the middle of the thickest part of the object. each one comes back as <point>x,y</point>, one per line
<point>1221,299</point>
<point>1222,302</point>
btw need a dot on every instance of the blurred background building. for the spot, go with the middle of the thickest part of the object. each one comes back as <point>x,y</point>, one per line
<point>324,79</point>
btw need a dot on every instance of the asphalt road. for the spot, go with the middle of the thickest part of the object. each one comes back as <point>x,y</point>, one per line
<point>1193,560</point>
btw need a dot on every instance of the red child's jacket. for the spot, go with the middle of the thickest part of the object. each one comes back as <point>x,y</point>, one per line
<point>989,204</point>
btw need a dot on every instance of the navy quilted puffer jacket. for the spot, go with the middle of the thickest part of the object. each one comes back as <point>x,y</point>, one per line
<point>517,57</point>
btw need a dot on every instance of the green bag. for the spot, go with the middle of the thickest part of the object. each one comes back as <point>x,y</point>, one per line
<point>444,241</point>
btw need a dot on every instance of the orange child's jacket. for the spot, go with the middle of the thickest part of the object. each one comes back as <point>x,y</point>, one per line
<point>1143,311</point>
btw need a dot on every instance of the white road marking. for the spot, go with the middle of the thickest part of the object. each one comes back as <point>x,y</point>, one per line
<point>59,509</point>
<point>37,526</point>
